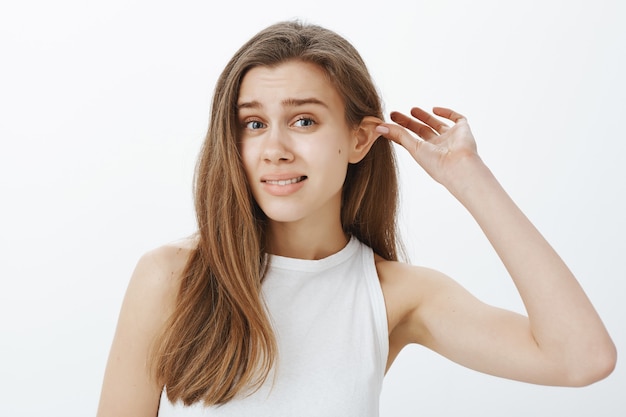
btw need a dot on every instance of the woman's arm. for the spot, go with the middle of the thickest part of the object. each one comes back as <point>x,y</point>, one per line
<point>128,388</point>
<point>562,341</point>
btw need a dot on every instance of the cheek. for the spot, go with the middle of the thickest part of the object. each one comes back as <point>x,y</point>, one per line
<point>335,162</point>
<point>340,152</point>
<point>248,158</point>
<point>329,158</point>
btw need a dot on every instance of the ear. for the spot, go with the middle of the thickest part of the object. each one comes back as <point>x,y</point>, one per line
<point>364,137</point>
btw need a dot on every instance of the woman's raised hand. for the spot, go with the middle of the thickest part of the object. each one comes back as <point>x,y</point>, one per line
<point>563,340</point>
<point>439,148</point>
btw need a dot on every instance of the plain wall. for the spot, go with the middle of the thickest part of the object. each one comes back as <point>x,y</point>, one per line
<point>103,107</point>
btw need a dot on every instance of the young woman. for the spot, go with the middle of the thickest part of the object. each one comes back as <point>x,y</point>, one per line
<point>291,299</point>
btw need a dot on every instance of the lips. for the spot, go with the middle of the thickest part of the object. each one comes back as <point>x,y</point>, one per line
<point>283,182</point>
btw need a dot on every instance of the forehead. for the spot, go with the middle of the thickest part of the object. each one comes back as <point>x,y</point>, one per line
<point>291,80</point>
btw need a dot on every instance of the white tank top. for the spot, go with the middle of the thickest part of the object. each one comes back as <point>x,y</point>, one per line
<point>330,322</point>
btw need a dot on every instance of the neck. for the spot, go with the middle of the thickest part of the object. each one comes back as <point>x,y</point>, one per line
<point>295,241</point>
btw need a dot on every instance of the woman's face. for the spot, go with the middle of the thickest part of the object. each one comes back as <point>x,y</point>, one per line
<point>295,142</point>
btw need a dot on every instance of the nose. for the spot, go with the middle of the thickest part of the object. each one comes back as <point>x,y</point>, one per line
<point>276,147</point>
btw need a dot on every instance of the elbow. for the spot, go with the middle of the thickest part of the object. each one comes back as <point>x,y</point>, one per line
<point>593,367</point>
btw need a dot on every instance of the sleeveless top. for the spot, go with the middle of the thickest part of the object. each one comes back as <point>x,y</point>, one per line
<point>330,323</point>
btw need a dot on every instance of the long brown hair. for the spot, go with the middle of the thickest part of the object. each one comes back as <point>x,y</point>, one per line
<point>219,339</point>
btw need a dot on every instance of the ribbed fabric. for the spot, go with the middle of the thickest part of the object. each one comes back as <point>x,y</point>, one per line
<point>331,326</point>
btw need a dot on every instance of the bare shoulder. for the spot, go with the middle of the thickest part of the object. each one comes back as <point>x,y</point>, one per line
<point>153,287</point>
<point>407,289</point>
<point>128,388</point>
<point>405,286</point>
<point>163,266</point>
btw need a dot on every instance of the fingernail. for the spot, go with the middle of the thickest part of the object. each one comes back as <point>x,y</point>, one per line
<point>382,129</point>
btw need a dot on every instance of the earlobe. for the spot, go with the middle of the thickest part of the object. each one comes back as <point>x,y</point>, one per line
<point>364,137</point>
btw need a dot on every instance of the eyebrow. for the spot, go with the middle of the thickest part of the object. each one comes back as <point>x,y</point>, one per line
<point>289,102</point>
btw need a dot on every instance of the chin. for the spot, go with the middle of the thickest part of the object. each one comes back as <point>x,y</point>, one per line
<point>283,213</point>
<point>282,217</point>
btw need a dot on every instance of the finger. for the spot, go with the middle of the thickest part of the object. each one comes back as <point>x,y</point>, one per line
<point>401,136</point>
<point>423,131</point>
<point>430,120</point>
<point>448,114</point>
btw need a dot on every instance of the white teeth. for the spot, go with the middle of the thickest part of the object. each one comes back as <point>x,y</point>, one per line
<point>284,182</point>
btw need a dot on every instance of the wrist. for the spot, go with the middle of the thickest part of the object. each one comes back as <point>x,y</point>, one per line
<point>467,176</point>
